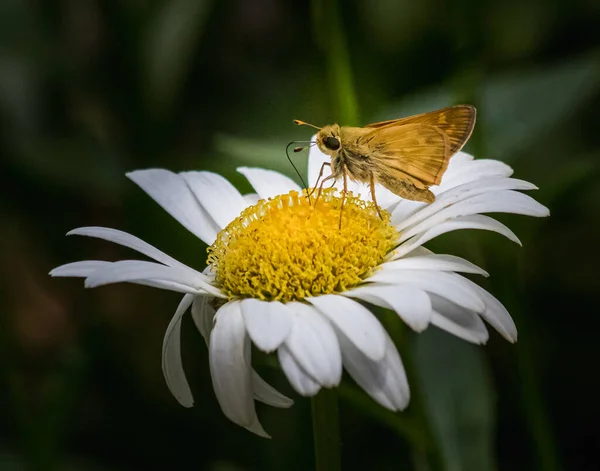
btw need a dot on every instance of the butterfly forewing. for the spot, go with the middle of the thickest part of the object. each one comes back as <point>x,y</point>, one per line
<point>406,155</point>
<point>418,150</point>
<point>456,122</point>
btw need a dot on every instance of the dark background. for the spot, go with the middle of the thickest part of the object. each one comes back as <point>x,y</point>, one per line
<point>92,89</point>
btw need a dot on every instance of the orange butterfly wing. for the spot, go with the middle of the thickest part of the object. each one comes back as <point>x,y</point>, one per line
<point>419,151</point>
<point>457,122</point>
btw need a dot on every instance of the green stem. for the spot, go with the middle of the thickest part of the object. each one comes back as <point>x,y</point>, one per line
<point>514,297</point>
<point>326,430</point>
<point>329,33</point>
<point>426,453</point>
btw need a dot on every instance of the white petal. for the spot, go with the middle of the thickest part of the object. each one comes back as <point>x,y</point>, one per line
<point>300,381</point>
<point>460,157</point>
<point>217,195</point>
<point>136,270</point>
<point>203,314</point>
<point>171,192</point>
<point>355,321</point>
<point>230,365</point>
<point>469,192</point>
<point>171,356</point>
<point>79,269</point>
<point>434,262</point>
<point>460,170</point>
<point>127,240</point>
<point>169,286</point>
<point>313,343</point>
<point>468,334</point>
<point>410,303</point>
<point>477,221</point>
<point>267,394</point>
<point>268,183</point>
<point>384,380</point>
<point>464,323</point>
<point>268,323</point>
<point>495,313</point>
<point>471,171</point>
<point>447,285</point>
<point>458,321</point>
<point>251,199</point>
<point>257,428</point>
<point>495,202</point>
<point>404,209</point>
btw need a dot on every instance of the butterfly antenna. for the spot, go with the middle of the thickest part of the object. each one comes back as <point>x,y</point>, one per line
<point>302,123</point>
<point>297,149</point>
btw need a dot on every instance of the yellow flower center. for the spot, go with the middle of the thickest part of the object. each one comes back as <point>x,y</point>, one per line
<point>289,248</point>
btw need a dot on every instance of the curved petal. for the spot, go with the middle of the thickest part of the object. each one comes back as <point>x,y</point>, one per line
<point>477,221</point>
<point>268,183</point>
<point>257,428</point>
<point>472,193</point>
<point>458,321</point>
<point>171,356</point>
<point>443,284</point>
<point>136,270</point>
<point>267,394</point>
<point>127,240</point>
<point>298,378</point>
<point>203,314</point>
<point>355,321</point>
<point>268,322</point>
<point>439,262</point>
<point>495,313</point>
<point>217,195</point>
<point>79,269</point>
<point>171,192</point>
<point>410,303</point>
<point>314,345</point>
<point>229,358</point>
<point>384,380</point>
<point>469,171</point>
<point>461,169</point>
<point>405,209</point>
<point>493,202</point>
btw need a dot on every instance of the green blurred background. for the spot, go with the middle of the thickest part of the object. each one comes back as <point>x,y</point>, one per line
<point>92,89</point>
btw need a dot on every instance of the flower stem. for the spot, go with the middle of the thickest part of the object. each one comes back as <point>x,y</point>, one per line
<point>329,35</point>
<point>326,430</point>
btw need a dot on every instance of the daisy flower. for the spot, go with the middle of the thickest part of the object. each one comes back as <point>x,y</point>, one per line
<point>285,275</point>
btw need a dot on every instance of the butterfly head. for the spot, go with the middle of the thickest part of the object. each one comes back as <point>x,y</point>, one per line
<point>329,140</point>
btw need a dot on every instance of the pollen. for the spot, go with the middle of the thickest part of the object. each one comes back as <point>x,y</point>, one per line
<point>291,247</point>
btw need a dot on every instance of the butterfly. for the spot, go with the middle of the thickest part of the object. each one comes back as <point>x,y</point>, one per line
<point>406,155</point>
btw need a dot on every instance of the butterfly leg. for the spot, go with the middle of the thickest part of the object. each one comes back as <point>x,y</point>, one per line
<point>319,178</point>
<point>344,193</point>
<point>372,185</point>
<point>320,189</point>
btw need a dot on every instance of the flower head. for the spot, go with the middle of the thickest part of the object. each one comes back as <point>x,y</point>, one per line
<point>286,271</point>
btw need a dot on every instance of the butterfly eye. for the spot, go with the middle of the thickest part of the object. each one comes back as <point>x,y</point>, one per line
<point>332,143</point>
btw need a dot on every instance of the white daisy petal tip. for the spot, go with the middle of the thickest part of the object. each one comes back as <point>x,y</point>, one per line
<point>268,322</point>
<point>268,183</point>
<point>314,348</point>
<point>171,356</point>
<point>356,322</point>
<point>257,429</point>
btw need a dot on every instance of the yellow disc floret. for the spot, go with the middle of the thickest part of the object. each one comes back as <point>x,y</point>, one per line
<point>292,247</point>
